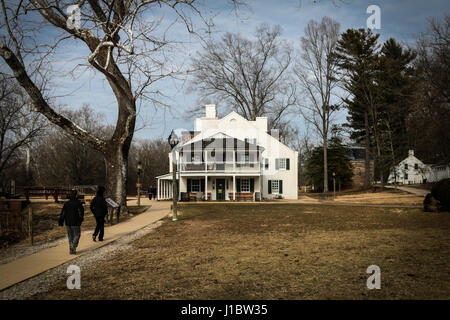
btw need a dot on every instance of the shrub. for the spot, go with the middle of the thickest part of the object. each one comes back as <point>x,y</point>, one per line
<point>430,204</point>
<point>441,192</point>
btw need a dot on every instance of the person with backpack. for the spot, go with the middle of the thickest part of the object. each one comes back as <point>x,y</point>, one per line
<point>72,214</point>
<point>99,208</point>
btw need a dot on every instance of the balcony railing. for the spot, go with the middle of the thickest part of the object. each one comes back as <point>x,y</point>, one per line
<point>220,167</point>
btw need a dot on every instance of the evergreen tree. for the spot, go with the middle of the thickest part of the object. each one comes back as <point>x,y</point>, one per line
<point>338,162</point>
<point>395,80</point>
<point>357,56</point>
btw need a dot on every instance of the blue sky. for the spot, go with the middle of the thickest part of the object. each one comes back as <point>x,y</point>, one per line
<point>401,19</point>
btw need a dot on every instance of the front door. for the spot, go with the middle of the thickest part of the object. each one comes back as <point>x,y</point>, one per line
<point>220,189</point>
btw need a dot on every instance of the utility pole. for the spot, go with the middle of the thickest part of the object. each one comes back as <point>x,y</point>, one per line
<point>139,169</point>
<point>173,142</point>
<point>334,185</point>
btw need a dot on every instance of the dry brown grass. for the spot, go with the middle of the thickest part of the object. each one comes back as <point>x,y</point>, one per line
<point>278,251</point>
<point>387,197</point>
<point>376,196</point>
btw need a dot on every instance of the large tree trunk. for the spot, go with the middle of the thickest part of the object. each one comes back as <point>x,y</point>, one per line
<point>117,151</point>
<point>117,174</point>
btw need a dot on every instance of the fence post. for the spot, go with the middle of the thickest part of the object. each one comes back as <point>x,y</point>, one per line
<point>30,224</point>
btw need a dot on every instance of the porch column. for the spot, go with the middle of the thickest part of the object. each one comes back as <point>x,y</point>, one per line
<point>206,187</point>
<point>164,189</point>
<point>206,161</point>
<point>234,187</point>
<point>261,188</point>
<point>179,178</point>
<point>159,189</point>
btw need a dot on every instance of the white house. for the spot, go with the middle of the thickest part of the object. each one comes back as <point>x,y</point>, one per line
<point>231,159</point>
<point>410,171</point>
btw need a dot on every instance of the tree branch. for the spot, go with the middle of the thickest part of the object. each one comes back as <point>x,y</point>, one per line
<point>42,106</point>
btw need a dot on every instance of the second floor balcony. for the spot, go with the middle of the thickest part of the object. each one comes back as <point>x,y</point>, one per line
<point>215,166</point>
<point>224,154</point>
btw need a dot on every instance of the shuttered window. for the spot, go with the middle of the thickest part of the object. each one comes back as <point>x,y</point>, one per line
<point>245,185</point>
<point>282,164</point>
<point>275,186</point>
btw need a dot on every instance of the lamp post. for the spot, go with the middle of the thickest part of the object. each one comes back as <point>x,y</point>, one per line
<point>334,185</point>
<point>173,141</point>
<point>139,169</point>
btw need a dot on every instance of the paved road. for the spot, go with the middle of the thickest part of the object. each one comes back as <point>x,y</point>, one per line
<point>34,264</point>
<point>416,191</point>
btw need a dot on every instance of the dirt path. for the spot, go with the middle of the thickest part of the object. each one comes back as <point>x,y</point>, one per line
<point>416,191</point>
<point>36,263</point>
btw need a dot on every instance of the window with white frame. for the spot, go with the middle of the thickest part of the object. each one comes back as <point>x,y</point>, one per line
<point>275,186</point>
<point>282,163</point>
<point>195,185</point>
<point>245,185</point>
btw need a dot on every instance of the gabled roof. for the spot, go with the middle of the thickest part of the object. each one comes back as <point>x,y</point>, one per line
<point>222,123</point>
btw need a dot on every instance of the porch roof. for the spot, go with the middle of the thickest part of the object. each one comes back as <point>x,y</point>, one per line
<point>167,176</point>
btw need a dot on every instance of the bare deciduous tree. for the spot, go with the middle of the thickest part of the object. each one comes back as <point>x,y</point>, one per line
<point>316,71</point>
<point>61,159</point>
<point>153,157</point>
<point>18,126</point>
<point>125,46</point>
<point>250,76</point>
<point>428,123</point>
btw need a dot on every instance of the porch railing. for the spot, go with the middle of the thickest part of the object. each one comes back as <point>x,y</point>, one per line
<point>216,166</point>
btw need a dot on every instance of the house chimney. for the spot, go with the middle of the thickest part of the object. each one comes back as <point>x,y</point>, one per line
<point>411,152</point>
<point>210,111</point>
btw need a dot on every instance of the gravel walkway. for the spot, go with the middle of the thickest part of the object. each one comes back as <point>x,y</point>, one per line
<point>44,281</point>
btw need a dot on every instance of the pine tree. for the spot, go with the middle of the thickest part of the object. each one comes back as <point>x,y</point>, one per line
<point>357,56</point>
<point>338,162</point>
<point>395,80</point>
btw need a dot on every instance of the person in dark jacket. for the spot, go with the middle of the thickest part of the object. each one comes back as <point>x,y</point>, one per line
<point>154,193</point>
<point>72,214</point>
<point>150,193</point>
<point>99,208</point>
